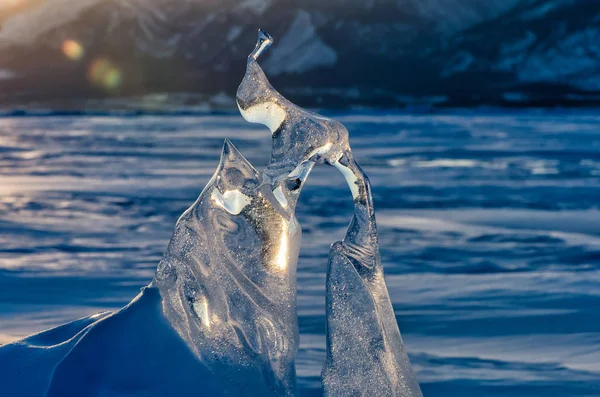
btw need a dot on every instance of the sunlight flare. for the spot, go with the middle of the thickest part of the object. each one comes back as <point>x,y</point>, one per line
<point>72,50</point>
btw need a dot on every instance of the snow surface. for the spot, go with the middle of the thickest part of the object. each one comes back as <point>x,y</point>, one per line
<point>300,50</point>
<point>473,237</point>
<point>131,352</point>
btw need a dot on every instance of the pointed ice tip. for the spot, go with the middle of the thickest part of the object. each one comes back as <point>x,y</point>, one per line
<point>227,146</point>
<point>231,156</point>
<point>229,153</point>
<point>264,41</point>
<point>264,36</point>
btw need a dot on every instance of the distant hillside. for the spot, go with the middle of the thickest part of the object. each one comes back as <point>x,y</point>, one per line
<point>172,53</point>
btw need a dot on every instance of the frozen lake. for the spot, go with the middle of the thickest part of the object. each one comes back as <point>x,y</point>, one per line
<point>489,228</point>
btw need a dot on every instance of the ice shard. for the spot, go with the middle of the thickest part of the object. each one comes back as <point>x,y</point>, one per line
<point>365,353</point>
<point>300,138</point>
<point>228,279</point>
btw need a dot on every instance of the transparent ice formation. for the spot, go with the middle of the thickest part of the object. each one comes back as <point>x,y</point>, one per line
<point>228,279</point>
<point>365,353</point>
<point>219,318</point>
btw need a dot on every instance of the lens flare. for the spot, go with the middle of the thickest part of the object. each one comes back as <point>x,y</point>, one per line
<point>112,79</point>
<point>103,73</point>
<point>72,49</point>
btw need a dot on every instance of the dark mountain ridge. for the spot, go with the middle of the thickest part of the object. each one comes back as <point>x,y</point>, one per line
<point>169,54</point>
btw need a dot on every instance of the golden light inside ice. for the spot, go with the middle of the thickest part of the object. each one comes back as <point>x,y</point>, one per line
<point>201,308</point>
<point>72,50</point>
<point>103,73</point>
<point>282,256</point>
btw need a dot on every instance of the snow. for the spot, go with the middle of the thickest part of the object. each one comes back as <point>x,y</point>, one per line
<point>461,63</point>
<point>255,6</point>
<point>133,349</point>
<point>77,243</point>
<point>513,54</point>
<point>543,9</point>
<point>450,16</point>
<point>300,50</point>
<point>574,61</point>
<point>519,45</point>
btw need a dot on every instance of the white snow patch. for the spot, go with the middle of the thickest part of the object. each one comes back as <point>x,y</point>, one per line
<point>446,163</point>
<point>300,49</point>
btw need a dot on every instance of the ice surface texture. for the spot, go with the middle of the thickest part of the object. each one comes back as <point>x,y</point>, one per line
<point>365,354</point>
<point>228,279</point>
<point>219,318</point>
